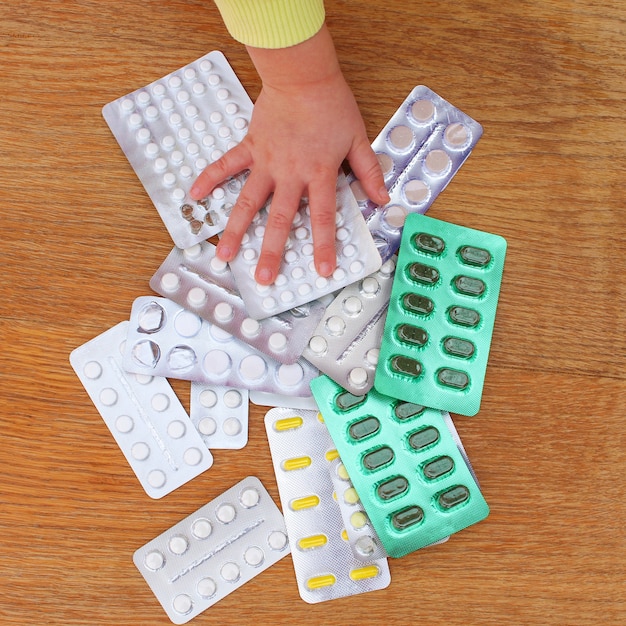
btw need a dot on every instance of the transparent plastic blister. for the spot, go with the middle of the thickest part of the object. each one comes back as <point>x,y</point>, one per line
<point>262,398</point>
<point>324,564</point>
<point>441,315</point>
<point>171,129</point>
<point>197,280</point>
<point>214,551</point>
<point>298,282</point>
<point>420,150</point>
<point>346,343</point>
<point>145,417</point>
<point>410,475</point>
<point>220,415</point>
<point>166,339</point>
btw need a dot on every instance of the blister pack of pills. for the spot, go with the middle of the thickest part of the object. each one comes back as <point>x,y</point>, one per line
<point>199,281</point>
<point>298,282</point>
<point>145,417</point>
<point>441,315</point>
<point>220,415</point>
<point>324,564</point>
<point>405,465</point>
<point>168,340</point>
<point>214,551</point>
<point>273,399</point>
<point>346,343</point>
<point>171,129</point>
<point>420,149</point>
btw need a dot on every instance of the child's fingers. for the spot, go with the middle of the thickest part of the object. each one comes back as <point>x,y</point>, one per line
<point>234,161</point>
<point>323,204</point>
<point>366,168</point>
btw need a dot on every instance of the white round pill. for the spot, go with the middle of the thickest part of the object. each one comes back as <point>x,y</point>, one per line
<point>140,451</point>
<point>231,427</point>
<point>335,325</point>
<point>290,375</point>
<point>339,274</point>
<point>92,370</point>
<point>232,398</point>
<point>143,135</point>
<point>214,80</point>
<point>174,82</point>
<point>169,179</point>
<point>178,544</point>
<point>185,172</point>
<point>437,162</point>
<point>154,560</point>
<point>124,424</point>
<point>321,282</point>
<point>269,303</point>
<point>176,429</point>
<point>252,367</point>
<point>108,396</point>
<point>208,141</point>
<point>287,296</point>
<point>240,123</point>
<point>352,305</point>
<point>277,342</point>
<point>160,164</point>
<point>226,513</point>
<point>167,104</point>
<point>217,265</point>
<point>218,193</point>
<point>297,273</point>
<point>207,426</point>
<point>358,376</point>
<point>277,540</point>
<point>305,289</point>
<point>356,267</point>
<point>206,65</point>
<point>369,286</point>
<point>372,355</point>
<point>208,398</point>
<point>160,402</point>
<point>134,120</point>
<point>143,379</point>
<point>152,149</point>
<point>198,89</point>
<point>201,528</point>
<point>127,105</point>
<point>230,572</point>
<point>196,297</point>
<point>318,344</point>
<point>170,281</point>
<point>223,312</point>
<point>182,604</point>
<point>192,456</point>
<point>250,328</point>
<point>254,556</point>
<point>156,479</point>
<point>249,497</point>
<point>206,587</point>
<point>231,108</point>
<point>178,194</point>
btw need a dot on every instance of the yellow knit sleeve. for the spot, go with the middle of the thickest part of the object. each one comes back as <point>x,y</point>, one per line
<point>272,23</point>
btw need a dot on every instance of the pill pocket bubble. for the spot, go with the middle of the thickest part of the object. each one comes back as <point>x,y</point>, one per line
<point>151,318</point>
<point>146,353</point>
<point>181,358</point>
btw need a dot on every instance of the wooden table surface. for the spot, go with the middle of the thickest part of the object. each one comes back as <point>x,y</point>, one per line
<point>80,241</point>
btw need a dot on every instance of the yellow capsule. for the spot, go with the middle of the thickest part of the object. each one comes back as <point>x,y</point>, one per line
<point>320,418</point>
<point>344,535</point>
<point>296,463</point>
<point>308,502</point>
<point>331,455</point>
<point>362,573</point>
<point>317,582</point>
<point>288,423</point>
<point>314,541</point>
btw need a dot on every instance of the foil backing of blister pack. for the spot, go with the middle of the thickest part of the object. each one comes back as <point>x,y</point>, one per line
<point>171,129</point>
<point>168,340</point>
<point>214,551</point>
<point>196,279</point>
<point>324,564</point>
<point>145,417</point>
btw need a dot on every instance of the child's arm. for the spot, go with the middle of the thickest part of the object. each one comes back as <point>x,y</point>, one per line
<point>304,124</point>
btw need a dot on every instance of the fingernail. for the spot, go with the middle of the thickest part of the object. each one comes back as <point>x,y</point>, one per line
<point>264,276</point>
<point>194,192</point>
<point>326,269</point>
<point>224,252</point>
<point>384,194</point>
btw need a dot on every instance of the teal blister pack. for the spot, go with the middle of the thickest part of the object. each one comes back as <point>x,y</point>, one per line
<point>411,477</point>
<point>441,315</point>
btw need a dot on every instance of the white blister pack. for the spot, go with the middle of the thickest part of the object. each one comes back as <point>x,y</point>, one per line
<point>214,551</point>
<point>168,340</point>
<point>273,399</point>
<point>346,342</point>
<point>362,537</point>
<point>298,282</point>
<point>324,563</point>
<point>220,415</point>
<point>171,129</point>
<point>145,417</point>
<point>420,150</point>
<point>199,281</point>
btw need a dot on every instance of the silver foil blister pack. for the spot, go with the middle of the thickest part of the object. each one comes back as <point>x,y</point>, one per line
<point>168,340</point>
<point>345,345</point>
<point>324,563</point>
<point>198,280</point>
<point>298,282</point>
<point>171,129</point>
<point>145,417</point>
<point>420,150</point>
<point>214,551</point>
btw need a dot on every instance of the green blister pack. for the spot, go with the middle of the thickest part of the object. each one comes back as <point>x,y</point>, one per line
<point>406,467</point>
<point>441,315</point>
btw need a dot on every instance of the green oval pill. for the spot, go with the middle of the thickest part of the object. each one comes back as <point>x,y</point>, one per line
<point>475,256</point>
<point>407,517</point>
<point>453,378</point>
<point>347,400</point>
<point>453,497</point>
<point>406,410</point>
<point>364,428</point>
<point>424,274</point>
<point>377,458</point>
<point>412,334</point>
<point>464,317</point>
<point>392,488</point>
<point>423,438</point>
<point>429,243</point>
<point>438,467</point>
<point>458,347</point>
<point>418,304</point>
<point>405,365</point>
<point>469,286</point>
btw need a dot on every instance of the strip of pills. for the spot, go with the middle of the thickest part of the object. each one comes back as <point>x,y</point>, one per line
<point>272,399</point>
<point>220,415</point>
<point>346,343</point>
<point>324,564</point>
<point>214,551</point>
<point>171,129</point>
<point>145,417</point>
<point>166,339</point>
<point>441,315</point>
<point>199,281</point>
<point>420,150</point>
<point>298,282</point>
<point>404,463</point>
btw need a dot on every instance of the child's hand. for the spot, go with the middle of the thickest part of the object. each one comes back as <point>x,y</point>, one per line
<point>303,126</point>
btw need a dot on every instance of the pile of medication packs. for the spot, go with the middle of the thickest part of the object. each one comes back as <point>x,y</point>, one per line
<point>362,368</point>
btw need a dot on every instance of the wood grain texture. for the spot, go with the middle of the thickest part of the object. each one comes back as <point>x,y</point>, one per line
<point>80,240</point>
